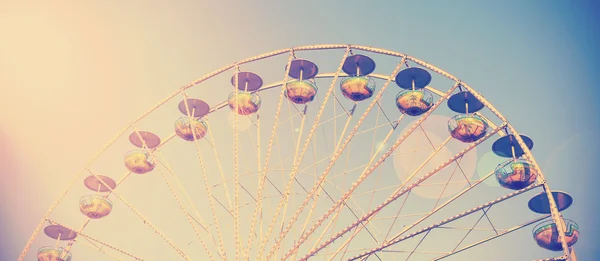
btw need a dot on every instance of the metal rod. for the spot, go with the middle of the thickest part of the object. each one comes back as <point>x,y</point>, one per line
<point>296,166</point>
<point>492,237</point>
<point>338,152</point>
<point>366,173</point>
<point>448,220</point>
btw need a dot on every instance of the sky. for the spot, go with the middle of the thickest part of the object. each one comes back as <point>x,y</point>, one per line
<point>72,74</point>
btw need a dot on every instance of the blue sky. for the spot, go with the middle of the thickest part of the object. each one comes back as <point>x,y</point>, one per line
<point>71,75</point>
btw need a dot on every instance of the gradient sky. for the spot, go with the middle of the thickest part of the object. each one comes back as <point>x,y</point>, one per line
<point>72,74</point>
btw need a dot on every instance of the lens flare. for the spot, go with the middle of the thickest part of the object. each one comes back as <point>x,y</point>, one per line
<point>419,146</point>
<point>487,164</point>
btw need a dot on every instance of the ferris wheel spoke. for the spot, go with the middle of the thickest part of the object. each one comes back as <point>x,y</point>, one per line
<point>368,171</point>
<point>292,116</point>
<point>368,221</point>
<point>487,217</point>
<point>436,209</point>
<point>339,142</point>
<point>334,159</point>
<point>263,175</point>
<point>456,251</point>
<point>343,248</point>
<point>437,201</point>
<point>418,244</point>
<point>165,164</point>
<point>296,161</point>
<point>333,201</point>
<point>265,197</point>
<point>212,141</point>
<point>128,173</point>
<point>258,201</point>
<point>392,124</point>
<point>298,111</point>
<point>186,214</point>
<point>326,254</point>
<point>142,217</point>
<point>445,221</point>
<point>288,221</point>
<point>556,215</point>
<point>398,192</point>
<point>92,245</point>
<point>85,223</point>
<point>472,227</point>
<point>374,190</point>
<point>282,162</point>
<point>249,173</point>
<point>332,119</point>
<point>96,240</point>
<point>404,152</point>
<point>559,258</point>
<point>207,186</point>
<point>283,202</point>
<point>337,99</point>
<point>77,176</point>
<point>333,221</point>
<point>236,174</point>
<point>315,161</point>
<point>453,159</point>
<point>395,218</point>
<point>452,175</point>
<point>373,140</point>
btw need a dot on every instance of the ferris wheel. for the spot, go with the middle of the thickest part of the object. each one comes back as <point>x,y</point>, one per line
<point>323,152</point>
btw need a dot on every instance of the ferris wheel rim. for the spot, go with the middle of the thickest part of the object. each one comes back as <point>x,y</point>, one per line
<point>292,51</point>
